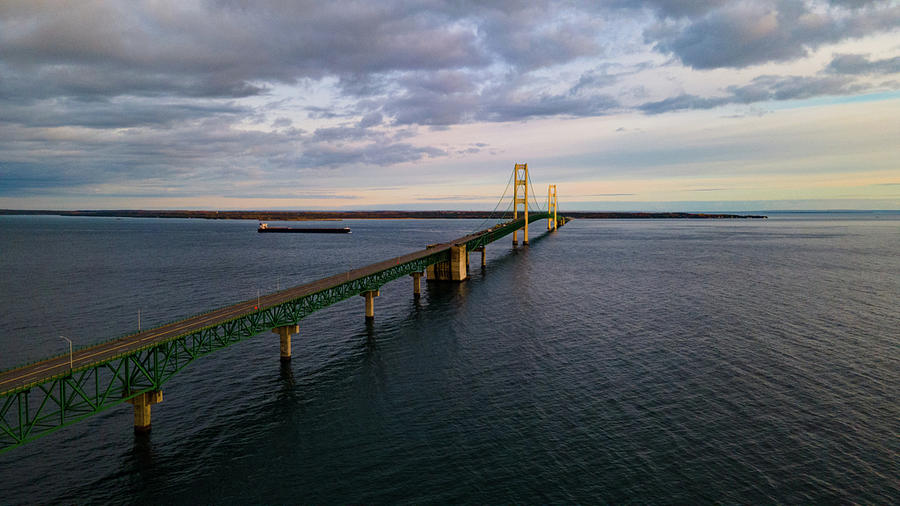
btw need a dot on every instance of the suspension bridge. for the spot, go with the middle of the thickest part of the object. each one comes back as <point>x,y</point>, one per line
<point>42,397</point>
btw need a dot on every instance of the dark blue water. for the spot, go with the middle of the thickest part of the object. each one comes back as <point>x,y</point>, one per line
<point>614,361</point>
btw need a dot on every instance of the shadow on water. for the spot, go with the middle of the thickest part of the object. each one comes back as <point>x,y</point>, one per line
<point>441,292</point>
<point>435,301</point>
<point>446,292</point>
<point>500,256</point>
<point>364,360</point>
<point>286,375</point>
<point>672,390</point>
<point>139,472</point>
<point>143,456</point>
<point>370,335</point>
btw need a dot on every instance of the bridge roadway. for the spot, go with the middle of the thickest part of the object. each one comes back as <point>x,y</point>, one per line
<point>39,372</point>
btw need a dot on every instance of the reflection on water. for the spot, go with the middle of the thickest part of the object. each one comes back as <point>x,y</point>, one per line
<point>287,375</point>
<point>612,361</point>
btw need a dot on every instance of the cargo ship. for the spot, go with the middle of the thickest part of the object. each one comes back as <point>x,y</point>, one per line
<point>264,227</point>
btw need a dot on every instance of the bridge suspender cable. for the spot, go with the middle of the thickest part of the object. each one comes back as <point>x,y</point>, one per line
<point>500,201</point>
<point>534,195</point>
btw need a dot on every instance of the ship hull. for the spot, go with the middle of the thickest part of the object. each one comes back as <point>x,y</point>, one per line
<point>290,230</point>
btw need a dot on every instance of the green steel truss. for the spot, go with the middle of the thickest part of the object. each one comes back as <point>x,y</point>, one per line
<point>492,234</point>
<point>56,402</point>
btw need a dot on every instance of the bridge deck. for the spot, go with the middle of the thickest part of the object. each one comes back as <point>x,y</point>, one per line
<point>36,373</point>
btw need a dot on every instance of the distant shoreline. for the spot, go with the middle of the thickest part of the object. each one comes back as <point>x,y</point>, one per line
<point>359,215</point>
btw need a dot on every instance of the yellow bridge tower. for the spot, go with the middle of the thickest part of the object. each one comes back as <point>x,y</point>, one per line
<point>551,207</point>
<point>520,168</point>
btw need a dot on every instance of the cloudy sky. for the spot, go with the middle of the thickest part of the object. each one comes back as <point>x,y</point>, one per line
<point>624,104</point>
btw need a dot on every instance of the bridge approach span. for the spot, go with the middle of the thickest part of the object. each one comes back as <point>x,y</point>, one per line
<point>42,397</point>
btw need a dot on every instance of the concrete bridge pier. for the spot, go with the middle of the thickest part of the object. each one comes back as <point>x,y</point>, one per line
<point>370,303</point>
<point>417,284</point>
<point>483,259</point>
<point>142,405</point>
<point>285,333</point>
<point>459,263</point>
<point>457,269</point>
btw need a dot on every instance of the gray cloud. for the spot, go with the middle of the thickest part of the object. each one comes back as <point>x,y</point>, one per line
<point>500,103</point>
<point>741,34</point>
<point>456,197</point>
<point>337,134</point>
<point>210,154</point>
<point>316,112</point>
<point>282,123</point>
<point>303,196</point>
<point>673,8</point>
<point>128,92</point>
<point>223,49</point>
<point>229,45</point>
<point>855,4</point>
<point>858,64</point>
<point>425,63</point>
<point>203,151</point>
<point>425,108</point>
<point>370,120</point>
<point>103,80</point>
<point>680,102</point>
<point>593,80</point>
<point>793,87</point>
<point>370,154</point>
<point>520,38</point>
<point>760,89</point>
<point>514,107</point>
<point>117,113</point>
